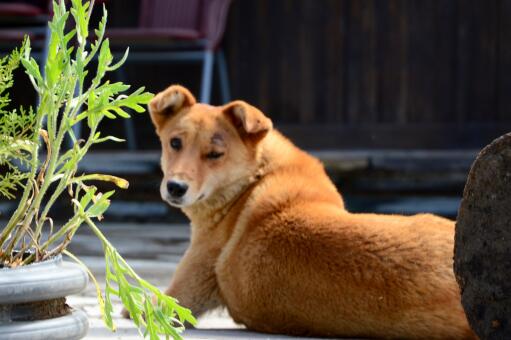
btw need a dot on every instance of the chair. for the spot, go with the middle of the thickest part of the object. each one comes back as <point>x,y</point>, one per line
<point>177,31</point>
<point>30,18</point>
<point>18,19</point>
<point>182,30</point>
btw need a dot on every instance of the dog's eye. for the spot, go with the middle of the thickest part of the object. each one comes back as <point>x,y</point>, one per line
<point>175,143</point>
<point>214,155</point>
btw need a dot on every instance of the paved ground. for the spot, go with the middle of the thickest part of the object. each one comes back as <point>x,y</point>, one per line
<point>153,251</point>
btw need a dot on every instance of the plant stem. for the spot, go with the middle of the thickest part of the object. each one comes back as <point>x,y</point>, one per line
<point>74,222</point>
<point>48,178</point>
<point>98,232</point>
<point>62,184</point>
<point>36,202</point>
<point>107,244</point>
<point>22,205</point>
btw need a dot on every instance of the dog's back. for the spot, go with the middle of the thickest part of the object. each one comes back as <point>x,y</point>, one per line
<point>298,263</point>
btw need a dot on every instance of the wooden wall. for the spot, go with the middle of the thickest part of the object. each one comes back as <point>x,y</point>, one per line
<point>375,73</point>
<point>344,74</point>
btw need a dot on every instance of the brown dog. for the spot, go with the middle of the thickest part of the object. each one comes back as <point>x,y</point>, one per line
<point>272,241</point>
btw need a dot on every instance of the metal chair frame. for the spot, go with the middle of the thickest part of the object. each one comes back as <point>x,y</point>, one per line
<point>205,50</point>
<point>208,59</point>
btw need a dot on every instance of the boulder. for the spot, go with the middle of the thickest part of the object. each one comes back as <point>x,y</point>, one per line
<point>482,253</point>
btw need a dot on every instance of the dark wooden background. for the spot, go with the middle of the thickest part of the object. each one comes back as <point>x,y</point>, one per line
<point>351,74</point>
<point>358,74</point>
<point>376,73</point>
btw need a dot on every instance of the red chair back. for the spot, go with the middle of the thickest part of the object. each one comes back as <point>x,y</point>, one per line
<point>171,14</point>
<point>206,17</point>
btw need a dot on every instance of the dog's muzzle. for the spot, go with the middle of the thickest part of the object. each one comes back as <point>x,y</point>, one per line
<point>176,189</point>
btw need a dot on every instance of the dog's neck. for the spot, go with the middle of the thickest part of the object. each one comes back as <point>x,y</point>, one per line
<point>213,210</point>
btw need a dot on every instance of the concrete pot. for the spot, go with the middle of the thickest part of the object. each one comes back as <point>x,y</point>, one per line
<point>32,301</point>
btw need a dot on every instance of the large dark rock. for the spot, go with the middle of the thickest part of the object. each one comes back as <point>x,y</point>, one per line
<point>482,254</point>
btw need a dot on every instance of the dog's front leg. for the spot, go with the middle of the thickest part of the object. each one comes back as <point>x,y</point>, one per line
<point>194,283</point>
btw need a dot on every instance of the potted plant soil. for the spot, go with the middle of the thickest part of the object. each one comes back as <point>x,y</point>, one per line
<point>34,279</point>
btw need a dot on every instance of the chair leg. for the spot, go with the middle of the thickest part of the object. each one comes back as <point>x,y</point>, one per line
<point>129,128</point>
<point>207,77</point>
<point>223,76</point>
<point>46,47</point>
<point>77,128</point>
<point>42,60</point>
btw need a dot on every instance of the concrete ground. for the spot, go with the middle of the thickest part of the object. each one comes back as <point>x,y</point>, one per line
<point>153,251</point>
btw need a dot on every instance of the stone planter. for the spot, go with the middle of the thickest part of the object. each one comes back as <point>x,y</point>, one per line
<point>32,301</point>
<point>482,255</point>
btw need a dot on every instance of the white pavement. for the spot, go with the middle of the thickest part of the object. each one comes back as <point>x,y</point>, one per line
<point>153,251</point>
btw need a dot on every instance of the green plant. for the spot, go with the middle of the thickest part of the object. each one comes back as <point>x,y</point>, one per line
<point>71,92</point>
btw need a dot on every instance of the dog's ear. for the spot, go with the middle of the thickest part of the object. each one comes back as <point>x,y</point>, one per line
<point>248,120</point>
<point>169,102</point>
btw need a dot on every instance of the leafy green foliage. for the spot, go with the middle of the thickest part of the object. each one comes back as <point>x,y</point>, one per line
<point>16,130</point>
<point>67,98</point>
<point>164,317</point>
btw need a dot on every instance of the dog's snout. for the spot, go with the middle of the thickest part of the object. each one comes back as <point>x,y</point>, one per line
<point>176,189</point>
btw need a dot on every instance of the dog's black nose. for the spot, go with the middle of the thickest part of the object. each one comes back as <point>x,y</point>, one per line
<point>176,189</point>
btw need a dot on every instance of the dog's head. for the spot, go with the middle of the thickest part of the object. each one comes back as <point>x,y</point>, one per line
<point>204,148</point>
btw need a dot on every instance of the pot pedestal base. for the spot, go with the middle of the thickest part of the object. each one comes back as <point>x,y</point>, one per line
<point>68,327</point>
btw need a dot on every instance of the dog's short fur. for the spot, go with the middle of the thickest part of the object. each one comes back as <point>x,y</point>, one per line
<point>272,241</point>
